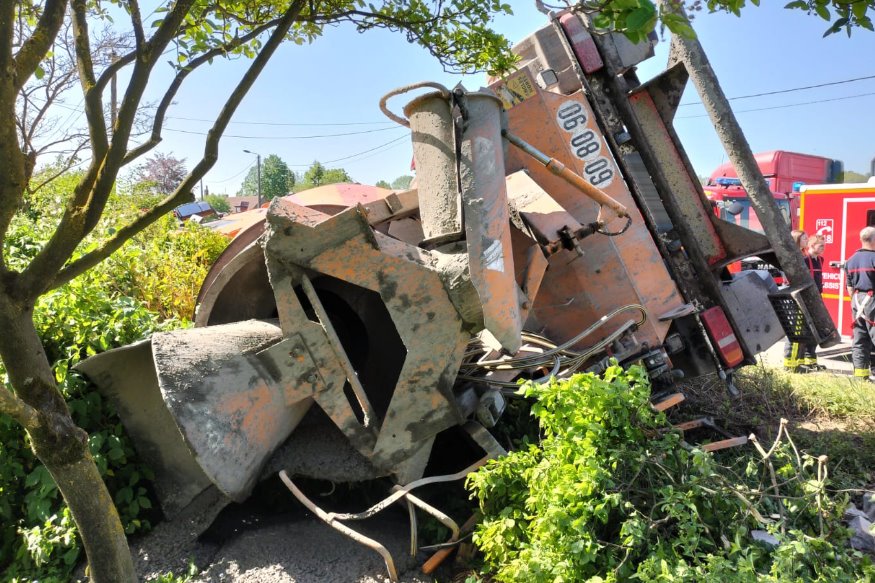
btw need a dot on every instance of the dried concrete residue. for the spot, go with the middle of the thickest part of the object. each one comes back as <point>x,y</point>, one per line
<point>318,449</point>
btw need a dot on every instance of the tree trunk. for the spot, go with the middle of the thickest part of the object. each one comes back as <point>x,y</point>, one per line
<point>62,446</point>
<point>717,105</point>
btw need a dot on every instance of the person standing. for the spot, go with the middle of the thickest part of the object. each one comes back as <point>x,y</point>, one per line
<point>814,261</point>
<point>860,278</point>
<point>793,350</point>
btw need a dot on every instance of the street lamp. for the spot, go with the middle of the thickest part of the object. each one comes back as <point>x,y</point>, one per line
<point>258,161</point>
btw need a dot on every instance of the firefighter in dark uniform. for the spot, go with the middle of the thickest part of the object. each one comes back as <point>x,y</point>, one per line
<point>814,262</point>
<point>793,351</point>
<point>860,271</point>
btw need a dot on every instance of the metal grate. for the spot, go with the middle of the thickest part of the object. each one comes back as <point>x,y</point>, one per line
<point>792,318</point>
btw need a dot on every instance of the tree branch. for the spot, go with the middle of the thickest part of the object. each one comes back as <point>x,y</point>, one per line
<point>90,195</point>
<point>93,100</point>
<point>137,22</point>
<point>211,154</point>
<point>69,163</point>
<point>12,162</point>
<point>24,414</point>
<point>35,48</point>
<point>188,68</point>
<point>112,69</point>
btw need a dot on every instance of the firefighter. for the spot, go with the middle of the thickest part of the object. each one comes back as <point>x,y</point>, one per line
<point>860,272</point>
<point>793,350</point>
<point>814,261</point>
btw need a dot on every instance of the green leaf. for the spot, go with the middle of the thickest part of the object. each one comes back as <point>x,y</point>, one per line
<point>641,17</point>
<point>822,11</point>
<point>39,73</point>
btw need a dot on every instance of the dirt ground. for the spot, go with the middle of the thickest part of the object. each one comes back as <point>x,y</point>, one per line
<point>248,543</point>
<point>290,549</point>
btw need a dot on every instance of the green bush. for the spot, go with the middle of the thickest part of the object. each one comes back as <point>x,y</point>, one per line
<point>165,266</point>
<point>148,285</point>
<point>38,539</point>
<point>609,495</point>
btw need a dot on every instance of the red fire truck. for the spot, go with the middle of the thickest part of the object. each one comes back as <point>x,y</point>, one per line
<point>837,212</point>
<point>782,171</point>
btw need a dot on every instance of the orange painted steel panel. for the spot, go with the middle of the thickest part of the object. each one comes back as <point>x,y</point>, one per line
<point>614,271</point>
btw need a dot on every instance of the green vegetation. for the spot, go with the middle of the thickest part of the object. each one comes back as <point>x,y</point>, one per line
<point>277,179</point>
<point>319,175</point>
<point>105,308</point>
<point>827,413</point>
<point>848,176</point>
<point>400,183</point>
<point>608,494</point>
<point>218,202</point>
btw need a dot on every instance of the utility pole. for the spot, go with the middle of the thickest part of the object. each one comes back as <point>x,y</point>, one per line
<point>690,52</point>
<point>258,162</point>
<point>113,94</point>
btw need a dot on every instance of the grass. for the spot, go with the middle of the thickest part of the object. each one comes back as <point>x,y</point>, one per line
<point>827,413</point>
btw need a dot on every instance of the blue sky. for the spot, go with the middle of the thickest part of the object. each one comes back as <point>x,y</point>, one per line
<point>340,78</point>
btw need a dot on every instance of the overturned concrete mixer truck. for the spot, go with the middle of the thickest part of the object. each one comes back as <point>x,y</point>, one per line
<point>557,224</point>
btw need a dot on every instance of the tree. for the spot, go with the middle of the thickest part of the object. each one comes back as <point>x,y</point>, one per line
<point>637,19</point>
<point>849,176</point>
<point>219,203</point>
<point>276,179</point>
<point>42,112</point>
<point>162,173</point>
<point>319,175</point>
<point>195,33</point>
<point>402,182</point>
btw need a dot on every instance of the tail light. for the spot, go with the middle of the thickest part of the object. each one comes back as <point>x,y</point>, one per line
<point>722,336</point>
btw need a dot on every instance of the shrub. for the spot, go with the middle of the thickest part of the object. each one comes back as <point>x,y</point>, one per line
<point>149,285</point>
<point>165,266</point>
<point>609,495</point>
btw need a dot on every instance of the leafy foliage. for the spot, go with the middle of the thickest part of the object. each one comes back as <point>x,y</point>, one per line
<point>161,173</point>
<point>400,183</point>
<point>164,266</point>
<point>637,18</point>
<point>276,179</point>
<point>219,203</point>
<point>319,175</point>
<point>103,309</point>
<point>609,495</point>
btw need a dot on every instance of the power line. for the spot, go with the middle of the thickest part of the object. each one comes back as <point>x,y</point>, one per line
<point>272,123</point>
<point>372,154</point>
<point>789,90</point>
<point>78,109</point>
<point>288,137</point>
<point>236,175</point>
<point>357,154</point>
<point>786,105</point>
<point>398,139</point>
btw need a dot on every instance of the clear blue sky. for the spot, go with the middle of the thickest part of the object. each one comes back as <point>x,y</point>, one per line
<point>340,78</point>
